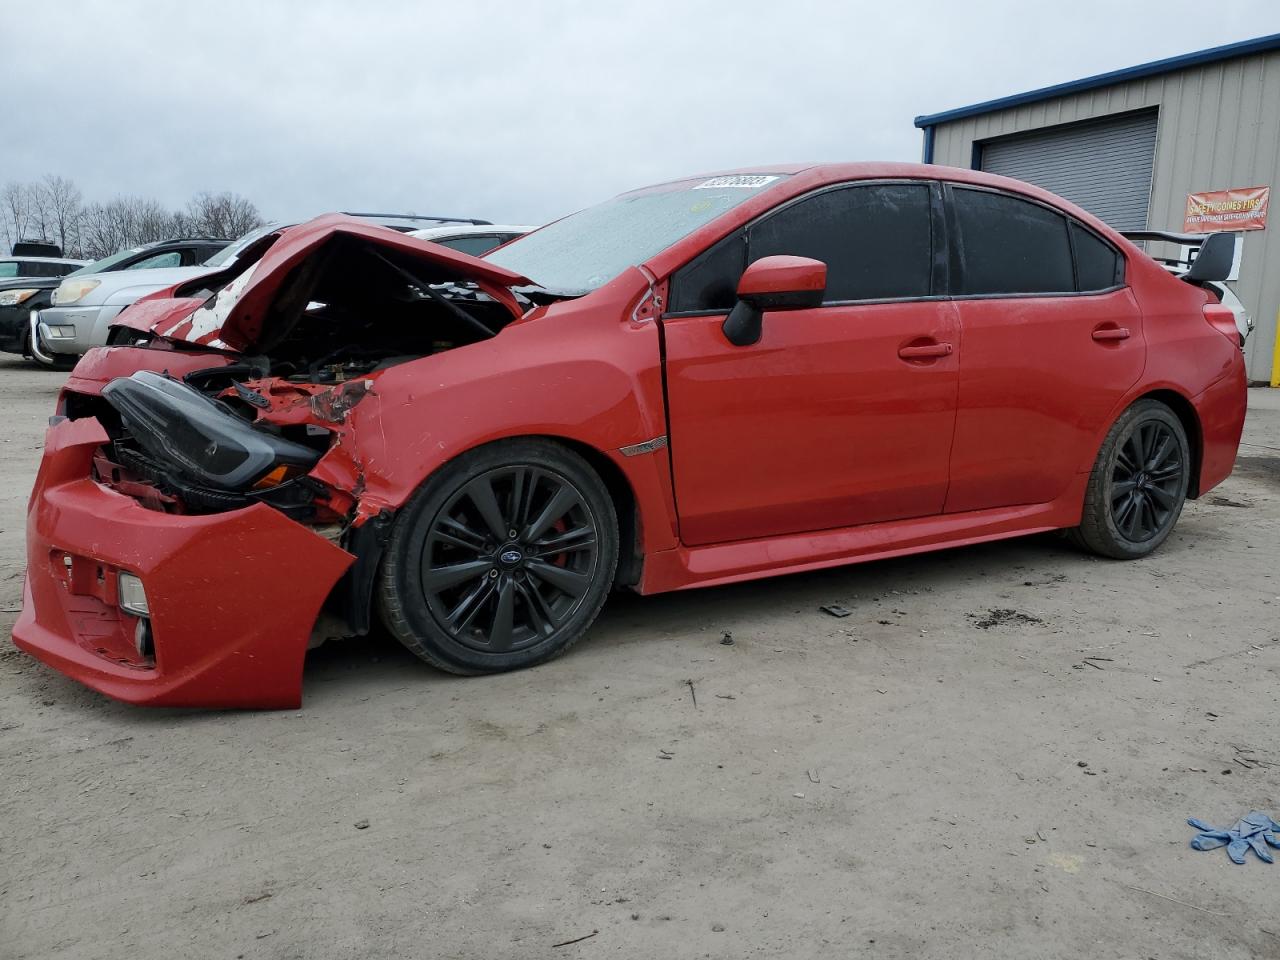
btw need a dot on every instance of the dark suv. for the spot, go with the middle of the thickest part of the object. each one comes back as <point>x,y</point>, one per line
<point>19,297</point>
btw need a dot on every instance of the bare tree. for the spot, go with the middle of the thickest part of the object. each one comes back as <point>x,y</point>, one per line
<point>223,215</point>
<point>16,212</point>
<point>63,201</point>
<point>54,209</point>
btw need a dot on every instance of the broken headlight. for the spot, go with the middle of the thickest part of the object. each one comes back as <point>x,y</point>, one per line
<point>199,437</point>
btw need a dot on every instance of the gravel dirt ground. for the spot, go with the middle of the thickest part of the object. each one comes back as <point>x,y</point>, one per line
<point>993,756</point>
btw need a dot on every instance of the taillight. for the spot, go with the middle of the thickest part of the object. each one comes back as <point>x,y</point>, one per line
<point>1223,320</point>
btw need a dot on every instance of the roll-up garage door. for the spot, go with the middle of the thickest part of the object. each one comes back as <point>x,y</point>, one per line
<point>1101,165</point>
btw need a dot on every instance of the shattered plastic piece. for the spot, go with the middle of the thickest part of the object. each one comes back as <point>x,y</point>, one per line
<point>1249,833</point>
<point>835,610</point>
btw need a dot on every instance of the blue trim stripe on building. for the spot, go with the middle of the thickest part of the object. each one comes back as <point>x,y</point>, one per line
<point>1169,64</point>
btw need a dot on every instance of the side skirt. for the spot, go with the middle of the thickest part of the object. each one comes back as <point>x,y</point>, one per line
<point>686,567</point>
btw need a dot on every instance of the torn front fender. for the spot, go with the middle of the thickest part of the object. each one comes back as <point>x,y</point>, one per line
<point>233,596</point>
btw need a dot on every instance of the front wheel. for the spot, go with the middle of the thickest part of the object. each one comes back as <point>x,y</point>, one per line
<point>501,560</point>
<point>1138,485</point>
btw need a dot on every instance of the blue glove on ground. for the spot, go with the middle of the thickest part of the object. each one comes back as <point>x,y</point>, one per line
<point>1249,833</point>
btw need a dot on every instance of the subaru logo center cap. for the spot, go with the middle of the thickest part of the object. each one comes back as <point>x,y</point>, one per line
<point>511,557</point>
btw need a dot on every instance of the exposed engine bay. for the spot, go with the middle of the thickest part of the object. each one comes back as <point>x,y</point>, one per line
<point>292,348</point>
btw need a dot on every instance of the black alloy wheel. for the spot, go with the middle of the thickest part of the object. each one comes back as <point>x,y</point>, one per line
<point>502,560</point>
<point>1146,480</point>
<point>1138,485</point>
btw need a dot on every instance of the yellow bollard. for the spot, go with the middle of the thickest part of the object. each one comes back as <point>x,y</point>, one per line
<point>1275,355</point>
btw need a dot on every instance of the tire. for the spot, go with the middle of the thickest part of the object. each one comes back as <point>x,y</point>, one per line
<point>1138,484</point>
<point>462,593</point>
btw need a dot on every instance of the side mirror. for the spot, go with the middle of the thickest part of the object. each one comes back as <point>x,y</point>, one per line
<point>1214,260</point>
<point>773,283</point>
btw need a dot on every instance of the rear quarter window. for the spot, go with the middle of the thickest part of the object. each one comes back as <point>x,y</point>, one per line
<point>1098,265</point>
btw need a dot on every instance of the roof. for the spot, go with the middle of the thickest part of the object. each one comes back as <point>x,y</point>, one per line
<point>469,229</point>
<point>1201,57</point>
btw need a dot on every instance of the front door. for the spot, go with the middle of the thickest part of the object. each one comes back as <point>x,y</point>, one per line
<point>841,414</point>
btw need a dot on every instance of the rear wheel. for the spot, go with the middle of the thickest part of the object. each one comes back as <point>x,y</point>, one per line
<point>502,560</point>
<point>1138,485</point>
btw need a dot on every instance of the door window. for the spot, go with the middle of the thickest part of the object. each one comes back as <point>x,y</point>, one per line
<point>172,258</point>
<point>1009,246</point>
<point>876,240</point>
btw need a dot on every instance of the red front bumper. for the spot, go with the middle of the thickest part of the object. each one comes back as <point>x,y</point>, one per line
<point>233,597</point>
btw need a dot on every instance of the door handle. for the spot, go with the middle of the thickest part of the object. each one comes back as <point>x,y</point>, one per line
<point>925,351</point>
<point>1111,333</point>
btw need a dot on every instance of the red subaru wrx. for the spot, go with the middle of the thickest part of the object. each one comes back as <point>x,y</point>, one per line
<point>695,383</point>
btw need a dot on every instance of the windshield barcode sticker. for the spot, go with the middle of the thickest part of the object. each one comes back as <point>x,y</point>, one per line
<point>747,181</point>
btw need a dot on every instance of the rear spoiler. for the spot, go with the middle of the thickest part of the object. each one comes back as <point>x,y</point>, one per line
<point>1211,262</point>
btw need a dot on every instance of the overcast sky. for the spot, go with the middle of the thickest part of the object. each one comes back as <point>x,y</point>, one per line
<point>521,112</point>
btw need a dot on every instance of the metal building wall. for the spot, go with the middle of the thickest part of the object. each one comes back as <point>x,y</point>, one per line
<point>1219,127</point>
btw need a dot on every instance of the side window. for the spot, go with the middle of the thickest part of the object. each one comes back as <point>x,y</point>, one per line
<point>710,280</point>
<point>472,244</point>
<point>1007,245</point>
<point>171,259</point>
<point>876,240</point>
<point>1098,266</point>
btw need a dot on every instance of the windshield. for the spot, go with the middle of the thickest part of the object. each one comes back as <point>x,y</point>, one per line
<point>588,249</point>
<point>227,255</point>
<point>106,263</point>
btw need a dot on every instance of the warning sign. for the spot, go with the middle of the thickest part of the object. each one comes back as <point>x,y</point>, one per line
<point>1244,208</point>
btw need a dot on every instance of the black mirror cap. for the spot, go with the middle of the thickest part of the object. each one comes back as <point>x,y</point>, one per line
<point>745,322</point>
<point>1214,260</point>
<point>743,325</point>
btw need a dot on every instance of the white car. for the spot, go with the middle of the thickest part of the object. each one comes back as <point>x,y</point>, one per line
<point>1193,241</point>
<point>476,239</point>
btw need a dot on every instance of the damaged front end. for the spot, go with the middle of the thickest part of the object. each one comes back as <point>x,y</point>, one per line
<point>222,478</point>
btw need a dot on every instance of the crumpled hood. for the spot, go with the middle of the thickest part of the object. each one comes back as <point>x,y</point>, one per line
<point>237,317</point>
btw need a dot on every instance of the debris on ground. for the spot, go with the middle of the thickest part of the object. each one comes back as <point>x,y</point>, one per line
<point>1001,615</point>
<point>1253,832</point>
<point>1050,580</point>
<point>693,693</point>
<point>835,610</point>
<point>566,943</point>
<point>1225,502</point>
<point>727,639</point>
<point>361,824</point>
<point>664,754</point>
<point>813,776</point>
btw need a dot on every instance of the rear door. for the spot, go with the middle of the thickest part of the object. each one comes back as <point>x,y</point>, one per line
<point>1052,340</point>
<point>841,414</point>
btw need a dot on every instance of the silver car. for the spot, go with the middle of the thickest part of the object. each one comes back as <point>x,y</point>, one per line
<point>83,307</point>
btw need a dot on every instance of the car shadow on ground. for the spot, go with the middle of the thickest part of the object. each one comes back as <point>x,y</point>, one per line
<point>628,618</point>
